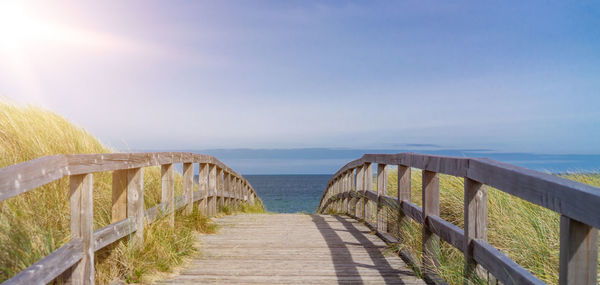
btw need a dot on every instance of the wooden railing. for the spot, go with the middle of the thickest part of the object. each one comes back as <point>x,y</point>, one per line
<point>578,204</point>
<point>218,185</point>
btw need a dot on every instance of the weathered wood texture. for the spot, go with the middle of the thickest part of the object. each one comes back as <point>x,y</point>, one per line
<point>75,260</point>
<point>576,200</point>
<point>188,186</point>
<point>475,205</point>
<point>135,202</point>
<point>578,253</point>
<point>578,203</point>
<point>293,249</point>
<point>168,191</point>
<point>504,269</point>
<point>82,227</point>
<point>25,176</point>
<point>431,207</point>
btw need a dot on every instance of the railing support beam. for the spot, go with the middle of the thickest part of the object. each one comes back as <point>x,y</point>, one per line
<point>431,207</point>
<point>578,253</point>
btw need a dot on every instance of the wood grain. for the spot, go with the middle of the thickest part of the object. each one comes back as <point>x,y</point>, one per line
<point>578,253</point>
<point>168,191</point>
<point>431,207</point>
<point>22,177</point>
<point>188,186</point>
<point>135,202</point>
<point>119,196</point>
<point>293,249</point>
<point>82,227</point>
<point>500,265</point>
<point>51,266</point>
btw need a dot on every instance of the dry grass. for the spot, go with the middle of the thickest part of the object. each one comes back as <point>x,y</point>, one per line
<point>34,224</point>
<point>527,233</point>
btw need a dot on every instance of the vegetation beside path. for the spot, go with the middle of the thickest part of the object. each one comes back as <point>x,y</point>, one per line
<point>527,233</point>
<point>36,223</point>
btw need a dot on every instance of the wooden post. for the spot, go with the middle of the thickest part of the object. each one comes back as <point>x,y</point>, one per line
<point>351,188</point>
<point>135,202</point>
<point>119,195</point>
<point>188,187</point>
<point>203,187</point>
<point>403,195</point>
<point>431,207</point>
<point>368,187</point>
<point>578,253</point>
<point>345,190</point>
<point>226,190</point>
<point>212,189</point>
<point>475,224</point>
<point>220,189</point>
<point>360,186</point>
<point>381,190</point>
<point>168,189</point>
<point>82,227</point>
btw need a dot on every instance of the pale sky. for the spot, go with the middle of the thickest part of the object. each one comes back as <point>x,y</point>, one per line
<point>514,76</point>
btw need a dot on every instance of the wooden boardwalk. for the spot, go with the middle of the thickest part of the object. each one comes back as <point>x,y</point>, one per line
<point>293,249</point>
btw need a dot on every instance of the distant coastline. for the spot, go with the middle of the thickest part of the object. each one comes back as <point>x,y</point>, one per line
<point>302,161</point>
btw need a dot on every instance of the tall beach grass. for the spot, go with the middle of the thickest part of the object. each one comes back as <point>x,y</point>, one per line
<point>527,233</point>
<point>34,224</point>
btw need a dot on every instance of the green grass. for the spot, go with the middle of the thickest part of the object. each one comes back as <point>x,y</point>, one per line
<point>36,223</point>
<point>527,233</point>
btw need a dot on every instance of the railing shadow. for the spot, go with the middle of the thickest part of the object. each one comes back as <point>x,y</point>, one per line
<point>341,256</point>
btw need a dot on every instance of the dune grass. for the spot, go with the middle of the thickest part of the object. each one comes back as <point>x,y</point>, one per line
<point>36,223</point>
<point>527,233</point>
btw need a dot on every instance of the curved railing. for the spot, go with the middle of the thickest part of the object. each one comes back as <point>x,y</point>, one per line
<point>578,204</point>
<point>218,185</point>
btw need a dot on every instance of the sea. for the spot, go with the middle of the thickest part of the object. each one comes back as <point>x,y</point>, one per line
<point>301,193</point>
<point>289,193</point>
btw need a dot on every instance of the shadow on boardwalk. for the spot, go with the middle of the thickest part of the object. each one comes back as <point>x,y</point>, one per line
<point>344,264</point>
<point>293,249</point>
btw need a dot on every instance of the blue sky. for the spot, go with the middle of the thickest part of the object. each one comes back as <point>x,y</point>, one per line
<point>514,76</point>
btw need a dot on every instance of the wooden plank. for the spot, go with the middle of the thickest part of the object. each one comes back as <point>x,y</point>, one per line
<point>51,266</point>
<point>90,163</point>
<point>501,266</point>
<point>188,186</point>
<point>447,231</point>
<point>220,189</point>
<point>82,227</point>
<point>368,187</point>
<point>431,207</point>
<point>389,202</point>
<point>119,195</point>
<point>113,232</point>
<point>371,195</point>
<point>578,253</point>
<point>413,211</point>
<point>22,177</point>
<point>307,249</point>
<point>156,212</point>
<point>575,200</point>
<point>381,191</point>
<point>404,176</point>
<point>203,187</point>
<point>212,188</point>
<point>168,190</point>
<point>456,166</point>
<point>475,218</point>
<point>360,182</point>
<point>227,189</point>
<point>135,202</point>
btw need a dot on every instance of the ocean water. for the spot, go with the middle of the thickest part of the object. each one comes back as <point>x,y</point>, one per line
<point>289,193</point>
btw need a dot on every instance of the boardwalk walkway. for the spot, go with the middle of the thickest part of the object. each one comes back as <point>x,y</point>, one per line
<point>293,249</point>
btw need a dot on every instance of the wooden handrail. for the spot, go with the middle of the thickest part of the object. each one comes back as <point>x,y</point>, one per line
<point>218,185</point>
<point>578,204</point>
